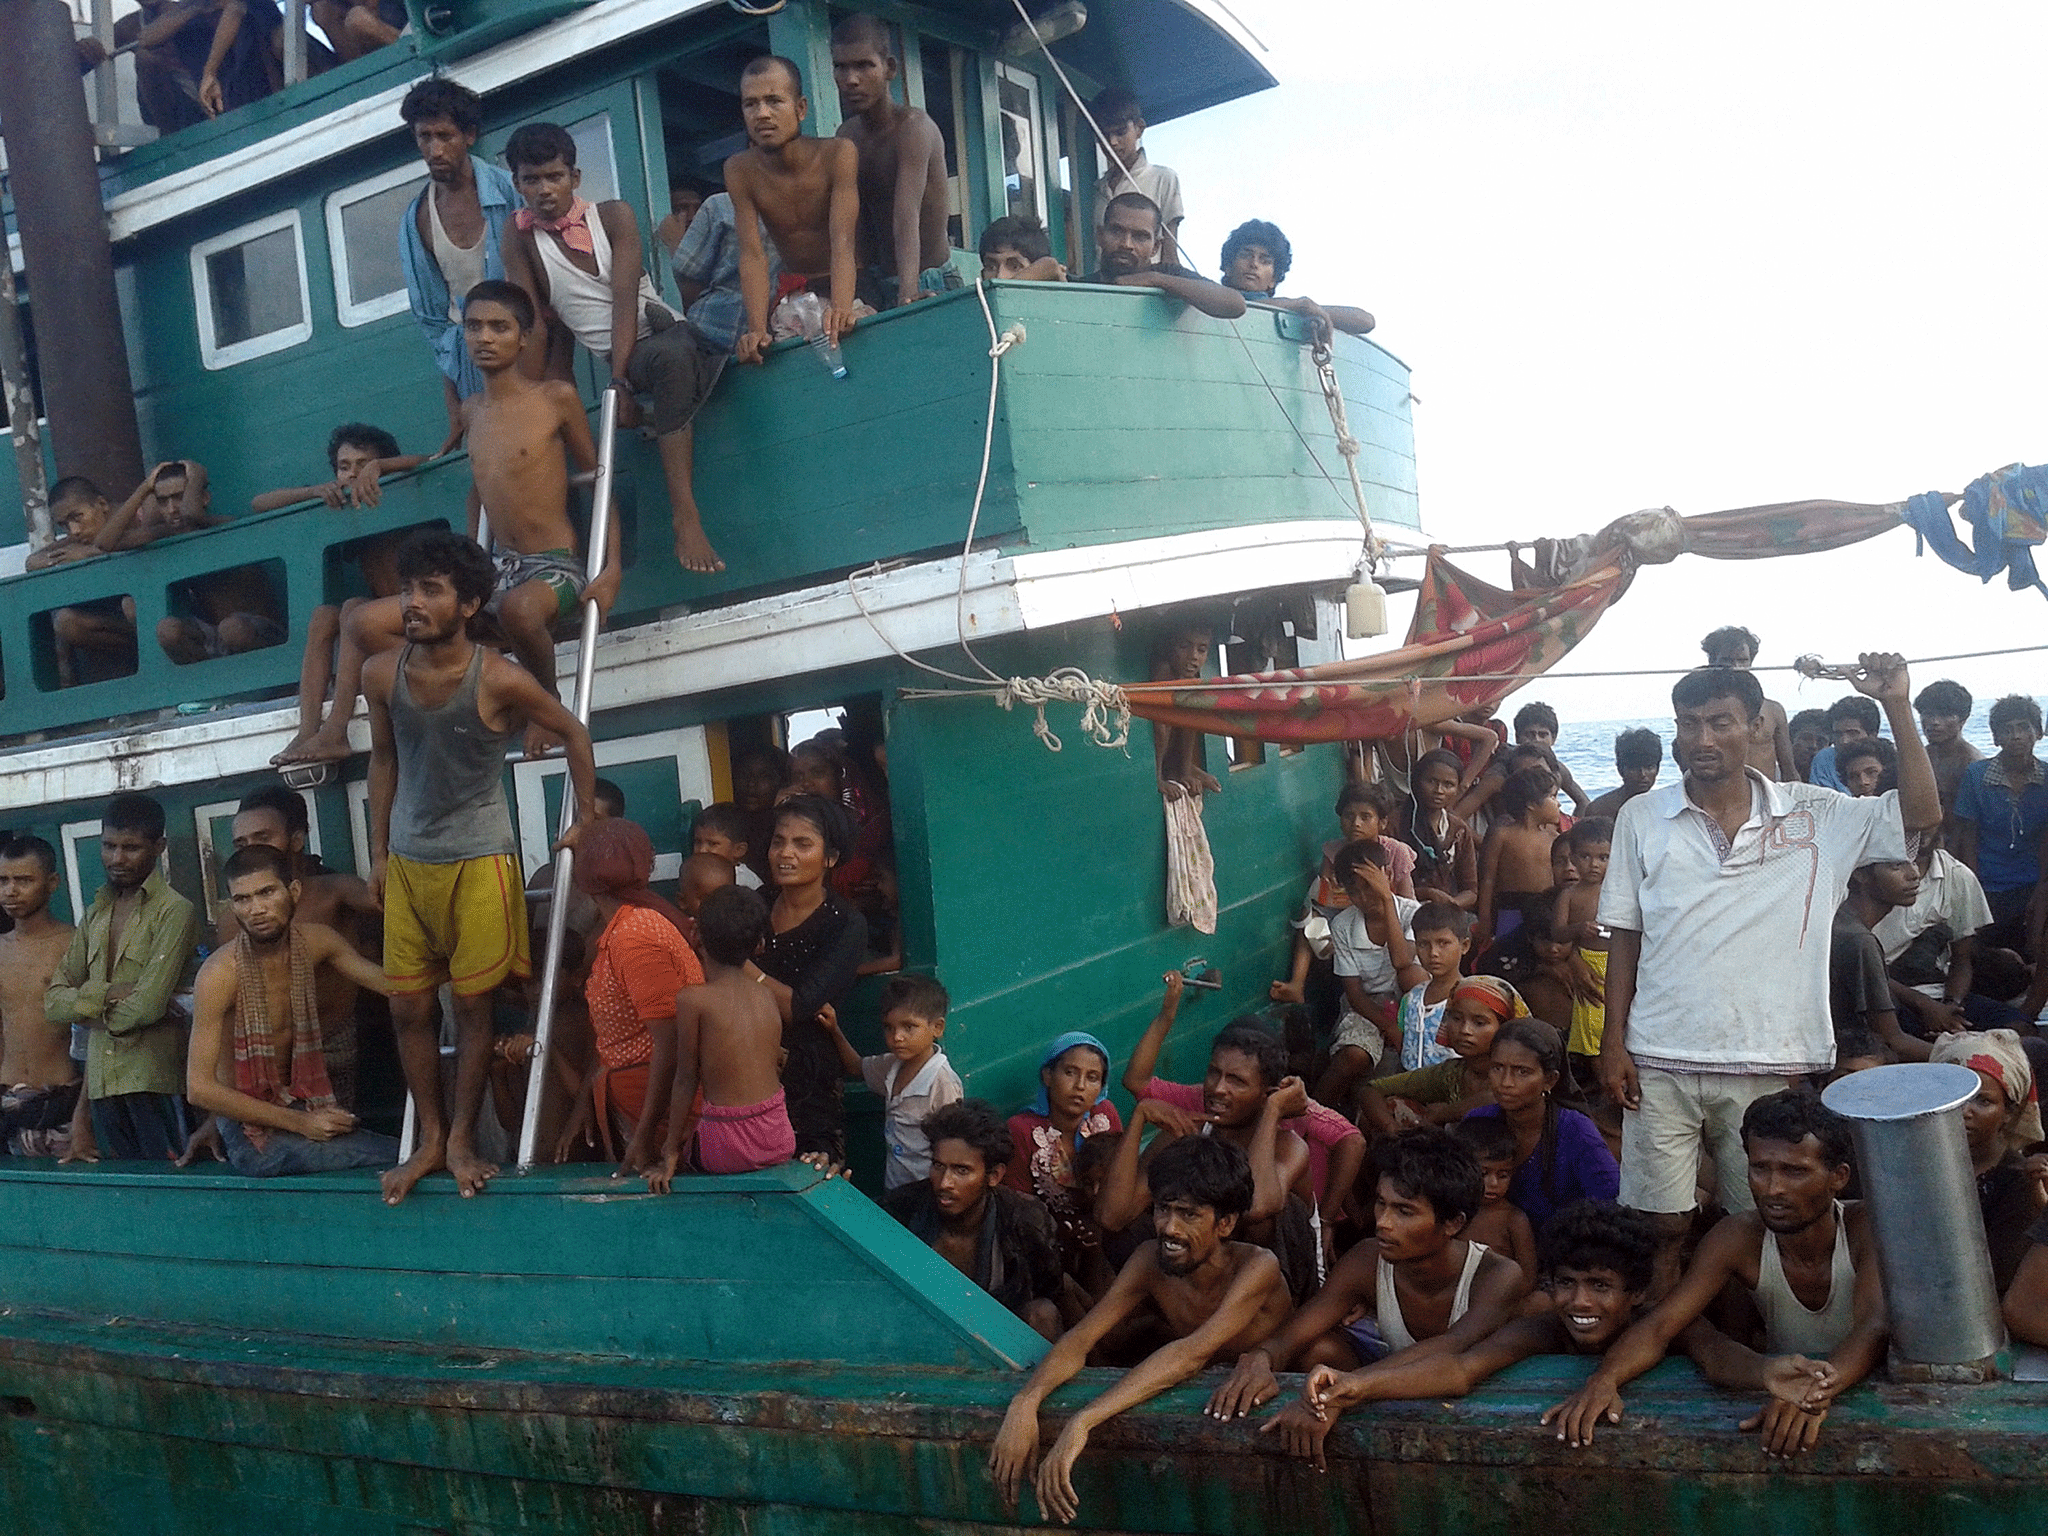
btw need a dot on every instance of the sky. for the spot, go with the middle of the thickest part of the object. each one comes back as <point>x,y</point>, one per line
<point>1700,257</point>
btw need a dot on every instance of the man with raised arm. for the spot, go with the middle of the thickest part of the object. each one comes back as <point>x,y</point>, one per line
<point>1214,1295</point>
<point>1796,1278</point>
<point>904,201</point>
<point>37,1075</point>
<point>443,858</point>
<point>582,261</point>
<point>449,240</point>
<point>807,192</point>
<point>1721,892</point>
<point>256,1060</point>
<point>1128,250</point>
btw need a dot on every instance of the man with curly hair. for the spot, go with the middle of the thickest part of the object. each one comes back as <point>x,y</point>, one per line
<point>1256,260</point>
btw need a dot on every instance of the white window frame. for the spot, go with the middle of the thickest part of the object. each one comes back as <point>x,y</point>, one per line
<point>398,301</point>
<point>603,118</point>
<point>1046,169</point>
<point>211,353</point>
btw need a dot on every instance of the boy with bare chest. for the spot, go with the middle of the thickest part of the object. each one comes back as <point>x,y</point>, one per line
<point>729,1046</point>
<point>37,1074</point>
<point>806,191</point>
<point>1515,862</point>
<point>904,202</point>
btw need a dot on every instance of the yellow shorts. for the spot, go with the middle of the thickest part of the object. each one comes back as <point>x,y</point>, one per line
<point>1589,1020</point>
<point>462,923</point>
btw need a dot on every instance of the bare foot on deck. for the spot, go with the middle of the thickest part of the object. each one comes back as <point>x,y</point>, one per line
<point>399,1181</point>
<point>322,746</point>
<point>540,742</point>
<point>694,551</point>
<point>471,1172</point>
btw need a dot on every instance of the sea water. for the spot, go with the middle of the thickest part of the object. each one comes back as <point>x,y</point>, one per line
<point>1586,747</point>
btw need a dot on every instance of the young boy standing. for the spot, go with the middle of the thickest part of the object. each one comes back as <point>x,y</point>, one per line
<point>806,191</point>
<point>729,1044</point>
<point>1122,122</point>
<point>904,201</point>
<point>1576,918</point>
<point>1515,862</point>
<point>581,261</point>
<point>912,1077</point>
<point>1442,936</point>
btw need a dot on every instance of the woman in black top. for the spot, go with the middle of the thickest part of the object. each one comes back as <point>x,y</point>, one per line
<point>816,943</point>
<point>2001,1123</point>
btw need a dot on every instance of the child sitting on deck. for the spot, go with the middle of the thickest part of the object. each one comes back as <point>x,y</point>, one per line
<point>1442,936</point>
<point>1364,812</point>
<point>1374,964</point>
<point>729,1045</point>
<point>1515,863</point>
<point>912,1077</point>
<point>1445,1093</point>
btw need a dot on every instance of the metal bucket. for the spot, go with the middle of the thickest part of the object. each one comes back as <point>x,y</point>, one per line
<point>1922,1195</point>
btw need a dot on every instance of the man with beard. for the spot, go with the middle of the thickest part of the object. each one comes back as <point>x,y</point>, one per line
<point>1806,1293</point>
<point>1720,893</point>
<point>1596,1261</point>
<point>1213,1295</point>
<point>1001,1239</point>
<point>256,1059</point>
<point>443,858</point>
<point>1127,247</point>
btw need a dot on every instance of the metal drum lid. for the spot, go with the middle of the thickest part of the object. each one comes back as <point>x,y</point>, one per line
<point>1904,1091</point>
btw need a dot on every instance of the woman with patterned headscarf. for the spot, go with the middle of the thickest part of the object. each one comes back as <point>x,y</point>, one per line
<point>1445,1093</point>
<point>2001,1123</point>
<point>641,962</point>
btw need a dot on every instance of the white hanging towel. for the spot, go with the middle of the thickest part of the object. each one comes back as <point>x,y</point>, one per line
<point>1190,871</point>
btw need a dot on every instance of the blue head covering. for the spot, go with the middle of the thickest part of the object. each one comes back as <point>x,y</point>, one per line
<point>1065,1043</point>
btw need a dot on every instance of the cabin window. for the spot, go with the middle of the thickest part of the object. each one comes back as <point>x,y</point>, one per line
<point>86,642</point>
<point>369,279</point>
<point>250,289</point>
<point>594,157</point>
<point>225,613</point>
<point>1023,145</point>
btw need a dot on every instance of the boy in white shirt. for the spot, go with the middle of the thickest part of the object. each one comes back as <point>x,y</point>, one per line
<point>912,1077</point>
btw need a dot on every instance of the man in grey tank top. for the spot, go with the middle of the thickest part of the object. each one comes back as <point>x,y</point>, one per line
<point>1799,1156</point>
<point>443,860</point>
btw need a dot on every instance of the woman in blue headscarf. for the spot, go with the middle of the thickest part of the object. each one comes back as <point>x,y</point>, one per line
<point>1071,1106</point>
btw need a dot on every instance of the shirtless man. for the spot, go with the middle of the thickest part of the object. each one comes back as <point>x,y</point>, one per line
<point>1770,752</point>
<point>450,236</point>
<point>581,262</point>
<point>443,860</point>
<point>104,626</point>
<point>806,190</point>
<point>521,434</point>
<point>37,1074</point>
<point>275,817</point>
<point>256,1059</point>
<point>904,201</point>
<point>729,1045</point>
<point>1176,750</point>
<point>1215,1297</point>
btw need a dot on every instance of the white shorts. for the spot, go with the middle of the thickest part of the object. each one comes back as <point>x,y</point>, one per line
<point>1360,1034</point>
<point>1681,1114</point>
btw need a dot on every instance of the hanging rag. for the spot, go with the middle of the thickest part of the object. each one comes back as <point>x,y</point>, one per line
<point>1190,871</point>
<point>2007,511</point>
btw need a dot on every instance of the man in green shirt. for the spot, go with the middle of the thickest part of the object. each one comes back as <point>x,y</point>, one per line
<point>135,948</point>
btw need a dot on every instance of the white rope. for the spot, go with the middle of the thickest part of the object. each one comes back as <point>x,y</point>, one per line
<point>1105,708</point>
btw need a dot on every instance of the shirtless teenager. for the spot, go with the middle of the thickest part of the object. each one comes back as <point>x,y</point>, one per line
<point>904,201</point>
<point>580,261</point>
<point>1514,862</point>
<point>1770,751</point>
<point>1418,1277</point>
<point>256,1059</point>
<point>37,1074</point>
<point>1215,1296</point>
<point>275,817</point>
<point>729,1045</point>
<point>522,432</point>
<point>807,192</point>
<point>443,859</point>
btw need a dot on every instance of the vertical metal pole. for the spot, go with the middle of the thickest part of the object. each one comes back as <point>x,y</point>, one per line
<point>22,425</point>
<point>294,41</point>
<point>586,670</point>
<point>106,84</point>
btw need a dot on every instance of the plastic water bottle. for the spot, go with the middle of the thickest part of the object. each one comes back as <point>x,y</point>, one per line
<point>809,311</point>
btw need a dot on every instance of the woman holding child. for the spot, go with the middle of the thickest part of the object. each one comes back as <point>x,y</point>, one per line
<point>641,962</point>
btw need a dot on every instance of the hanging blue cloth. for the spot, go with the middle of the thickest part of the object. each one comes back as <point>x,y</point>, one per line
<point>2007,511</point>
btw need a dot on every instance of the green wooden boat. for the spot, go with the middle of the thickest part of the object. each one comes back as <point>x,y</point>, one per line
<point>193,1352</point>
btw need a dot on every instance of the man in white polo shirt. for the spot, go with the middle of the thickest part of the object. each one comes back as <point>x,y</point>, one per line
<point>1721,891</point>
